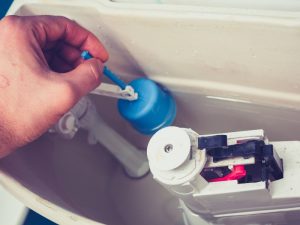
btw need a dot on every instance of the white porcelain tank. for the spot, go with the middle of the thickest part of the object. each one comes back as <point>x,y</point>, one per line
<point>230,68</point>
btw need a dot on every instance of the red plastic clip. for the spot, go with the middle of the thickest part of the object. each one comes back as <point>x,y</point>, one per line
<point>237,173</point>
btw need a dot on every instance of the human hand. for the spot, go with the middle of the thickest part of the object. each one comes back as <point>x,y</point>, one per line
<point>42,75</point>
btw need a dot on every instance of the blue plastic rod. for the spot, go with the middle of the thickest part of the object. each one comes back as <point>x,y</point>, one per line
<point>107,72</point>
<point>114,78</point>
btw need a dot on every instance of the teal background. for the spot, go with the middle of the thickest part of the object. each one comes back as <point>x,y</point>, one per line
<point>4,5</point>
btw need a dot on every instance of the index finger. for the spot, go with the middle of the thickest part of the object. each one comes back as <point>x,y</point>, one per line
<point>56,28</point>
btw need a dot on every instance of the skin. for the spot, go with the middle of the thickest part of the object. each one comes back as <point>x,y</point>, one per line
<point>42,75</point>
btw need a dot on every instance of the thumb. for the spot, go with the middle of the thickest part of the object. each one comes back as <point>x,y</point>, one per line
<point>70,87</point>
<point>85,77</point>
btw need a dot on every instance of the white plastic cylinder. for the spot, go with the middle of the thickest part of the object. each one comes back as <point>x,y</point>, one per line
<point>134,161</point>
<point>176,162</point>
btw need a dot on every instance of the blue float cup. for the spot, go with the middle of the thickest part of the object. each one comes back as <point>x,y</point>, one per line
<point>154,109</point>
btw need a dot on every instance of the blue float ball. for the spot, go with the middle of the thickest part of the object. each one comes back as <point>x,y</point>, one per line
<point>154,109</point>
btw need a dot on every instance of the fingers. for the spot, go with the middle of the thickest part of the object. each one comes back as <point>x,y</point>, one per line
<point>63,58</point>
<point>59,65</point>
<point>49,29</point>
<point>71,54</point>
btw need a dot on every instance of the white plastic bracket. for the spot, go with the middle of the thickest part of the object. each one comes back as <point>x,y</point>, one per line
<point>115,91</point>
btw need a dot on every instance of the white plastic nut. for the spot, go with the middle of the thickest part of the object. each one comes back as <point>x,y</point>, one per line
<point>169,148</point>
<point>67,126</point>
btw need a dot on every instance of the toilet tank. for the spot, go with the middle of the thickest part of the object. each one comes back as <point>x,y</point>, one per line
<point>229,66</point>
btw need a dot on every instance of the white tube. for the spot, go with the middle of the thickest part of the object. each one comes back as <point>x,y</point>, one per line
<point>134,161</point>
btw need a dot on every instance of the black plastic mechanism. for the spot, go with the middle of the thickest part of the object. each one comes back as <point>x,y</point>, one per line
<point>268,166</point>
<point>212,141</point>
